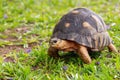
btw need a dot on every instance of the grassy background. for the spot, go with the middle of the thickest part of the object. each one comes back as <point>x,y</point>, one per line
<point>41,16</point>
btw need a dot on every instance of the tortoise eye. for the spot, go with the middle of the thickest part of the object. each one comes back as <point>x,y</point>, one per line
<point>54,40</point>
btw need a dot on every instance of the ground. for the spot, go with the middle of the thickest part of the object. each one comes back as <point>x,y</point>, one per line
<point>13,42</point>
<point>25,30</point>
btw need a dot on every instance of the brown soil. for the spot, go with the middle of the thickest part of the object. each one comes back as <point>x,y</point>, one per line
<point>10,48</point>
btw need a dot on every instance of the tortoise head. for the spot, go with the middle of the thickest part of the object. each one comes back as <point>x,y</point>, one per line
<point>64,45</point>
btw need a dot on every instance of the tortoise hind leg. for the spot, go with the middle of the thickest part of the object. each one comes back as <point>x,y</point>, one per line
<point>112,48</point>
<point>53,52</point>
<point>84,55</point>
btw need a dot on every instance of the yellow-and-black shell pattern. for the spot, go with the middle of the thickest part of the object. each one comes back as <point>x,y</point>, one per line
<point>84,27</point>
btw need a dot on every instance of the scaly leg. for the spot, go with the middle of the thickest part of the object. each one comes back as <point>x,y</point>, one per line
<point>84,55</point>
<point>53,52</point>
<point>112,48</point>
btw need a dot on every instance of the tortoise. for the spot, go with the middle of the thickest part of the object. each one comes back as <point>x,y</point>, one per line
<point>80,30</point>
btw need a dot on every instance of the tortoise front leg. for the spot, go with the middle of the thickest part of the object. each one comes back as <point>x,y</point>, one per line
<point>53,52</point>
<point>84,55</point>
<point>112,48</point>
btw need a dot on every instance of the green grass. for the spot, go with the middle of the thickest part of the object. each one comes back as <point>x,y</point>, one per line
<point>41,16</point>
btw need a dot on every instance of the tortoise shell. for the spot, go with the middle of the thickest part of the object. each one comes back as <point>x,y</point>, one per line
<point>84,27</point>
